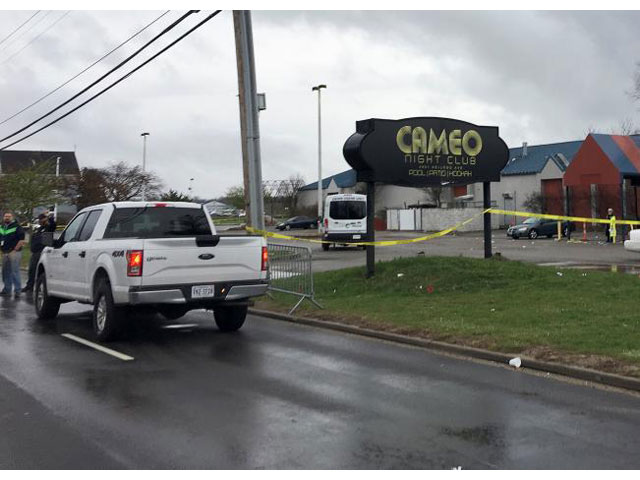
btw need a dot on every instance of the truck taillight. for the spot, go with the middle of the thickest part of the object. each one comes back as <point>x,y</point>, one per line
<point>326,223</point>
<point>265,259</point>
<point>134,263</point>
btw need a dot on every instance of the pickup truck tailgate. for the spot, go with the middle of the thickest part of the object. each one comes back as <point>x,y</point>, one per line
<point>182,260</point>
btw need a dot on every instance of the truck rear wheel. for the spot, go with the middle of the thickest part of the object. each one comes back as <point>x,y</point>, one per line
<point>107,318</point>
<point>230,319</point>
<point>47,307</point>
<point>325,247</point>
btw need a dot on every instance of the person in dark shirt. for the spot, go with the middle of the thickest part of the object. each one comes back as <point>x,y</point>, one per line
<point>11,243</point>
<point>46,224</point>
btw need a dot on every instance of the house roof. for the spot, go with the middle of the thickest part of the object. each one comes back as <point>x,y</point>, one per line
<point>536,159</point>
<point>344,179</point>
<point>538,156</point>
<point>622,151</point>
<point>12,161</point>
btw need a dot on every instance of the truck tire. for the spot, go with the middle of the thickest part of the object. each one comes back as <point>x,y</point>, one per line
<point>230,319</point>
<point>325,247</point>
<point>107,318</point>
<point>173,312</point>
<point>47,307</point>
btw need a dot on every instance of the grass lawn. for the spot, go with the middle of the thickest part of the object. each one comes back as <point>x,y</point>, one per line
<point>586,318</point>
<point>229,220</point>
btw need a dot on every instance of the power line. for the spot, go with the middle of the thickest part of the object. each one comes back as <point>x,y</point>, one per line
<point>163,32</point>
<point>19,27</point>
<point>181,37</point>
<point>80,73</point>
<point>24,32</point>
<point>36,37</point>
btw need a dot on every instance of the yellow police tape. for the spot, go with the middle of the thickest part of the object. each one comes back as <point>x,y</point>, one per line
<point>515,213</point>
<point>494,211</point>
<point>384,243</point>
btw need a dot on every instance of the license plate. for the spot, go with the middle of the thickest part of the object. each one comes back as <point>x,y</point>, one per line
<point>356,237</point>
<point>202,291</point>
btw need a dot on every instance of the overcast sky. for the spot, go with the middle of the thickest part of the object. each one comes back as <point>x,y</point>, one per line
<point>542,77</point>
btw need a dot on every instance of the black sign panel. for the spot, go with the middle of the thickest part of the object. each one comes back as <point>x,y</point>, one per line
<point>427,151</point>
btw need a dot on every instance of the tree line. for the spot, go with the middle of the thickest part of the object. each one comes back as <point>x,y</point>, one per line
<point>35,186</point>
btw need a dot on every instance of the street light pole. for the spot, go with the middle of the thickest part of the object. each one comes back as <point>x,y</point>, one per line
<point>55,206</point>
<point>318,88</point>
<point>144,136</point>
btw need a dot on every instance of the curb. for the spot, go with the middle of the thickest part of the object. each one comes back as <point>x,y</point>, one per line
<point>587,374</point>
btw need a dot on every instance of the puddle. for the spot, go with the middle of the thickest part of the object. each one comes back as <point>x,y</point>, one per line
<point>630,269</point>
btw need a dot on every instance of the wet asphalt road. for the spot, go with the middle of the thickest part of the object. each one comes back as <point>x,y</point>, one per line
<point>278,395</point>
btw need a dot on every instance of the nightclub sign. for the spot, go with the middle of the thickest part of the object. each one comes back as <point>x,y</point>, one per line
<point>426,151</point>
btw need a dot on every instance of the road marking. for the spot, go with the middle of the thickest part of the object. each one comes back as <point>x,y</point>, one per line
<point>100,348</point>
<point>179,326</point>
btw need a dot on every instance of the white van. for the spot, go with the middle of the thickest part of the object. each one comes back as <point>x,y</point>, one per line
<point>345,219</point>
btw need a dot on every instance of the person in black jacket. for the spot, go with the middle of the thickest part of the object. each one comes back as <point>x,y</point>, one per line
<point>46,225</point>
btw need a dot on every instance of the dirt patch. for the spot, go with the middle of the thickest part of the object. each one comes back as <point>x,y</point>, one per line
<point>545,353</point>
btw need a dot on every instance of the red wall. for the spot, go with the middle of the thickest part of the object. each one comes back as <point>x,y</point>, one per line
<point>553,195</point>
<point>591,165</point>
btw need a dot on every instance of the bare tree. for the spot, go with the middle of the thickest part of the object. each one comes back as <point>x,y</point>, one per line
<point>288,191</point>
<point>625,127</point>
<point>435,194</point>
<point>122,182</point>
<point>635,92</point>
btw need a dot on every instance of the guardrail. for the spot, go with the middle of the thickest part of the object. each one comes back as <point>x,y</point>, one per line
<point>291,272</point>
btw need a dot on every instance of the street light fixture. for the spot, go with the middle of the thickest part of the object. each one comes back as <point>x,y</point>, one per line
<point>318,88</point>
<point>144,136</point>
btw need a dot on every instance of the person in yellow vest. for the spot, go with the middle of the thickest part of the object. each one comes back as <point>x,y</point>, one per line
<point>11,243</point>
<point>608,232</point>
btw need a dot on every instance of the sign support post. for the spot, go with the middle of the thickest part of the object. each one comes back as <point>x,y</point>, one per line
<point>486,203</point>
<point>371,233</point>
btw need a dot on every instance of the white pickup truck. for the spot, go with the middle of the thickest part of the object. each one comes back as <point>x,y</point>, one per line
<point>163,256</point>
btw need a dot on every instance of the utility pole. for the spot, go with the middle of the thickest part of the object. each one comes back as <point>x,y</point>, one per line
<point>249,125</point>
<point>144,136</point>
<point>319,88</point>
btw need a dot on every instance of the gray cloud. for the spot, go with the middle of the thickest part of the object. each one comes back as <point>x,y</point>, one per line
<point>540,76</point>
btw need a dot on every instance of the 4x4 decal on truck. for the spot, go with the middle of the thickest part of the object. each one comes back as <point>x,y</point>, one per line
<point>118,253</point>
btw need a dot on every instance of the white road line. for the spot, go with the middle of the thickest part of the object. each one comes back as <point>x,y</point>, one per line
<point>100,348</point>
<point>179,326</point>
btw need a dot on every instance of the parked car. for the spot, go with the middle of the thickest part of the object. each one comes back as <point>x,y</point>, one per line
<point>537,227</point>
<point>298,222</point>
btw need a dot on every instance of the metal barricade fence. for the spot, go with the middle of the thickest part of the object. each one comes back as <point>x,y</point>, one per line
<point>290,272</point>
